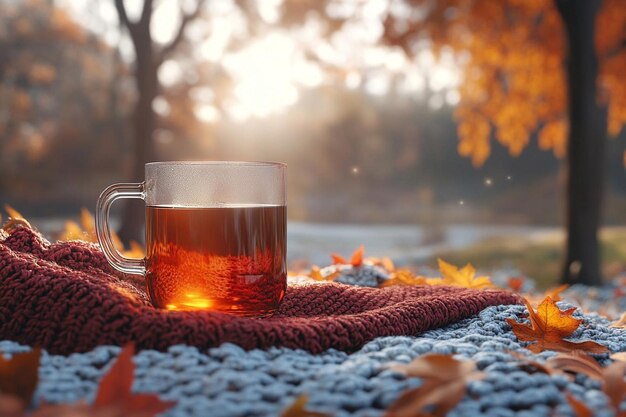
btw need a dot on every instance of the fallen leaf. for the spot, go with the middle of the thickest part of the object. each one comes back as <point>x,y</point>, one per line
<point>298,409</point>
<point>338,259</point>
<point>385,262</point>
<point>515,283</point>
<point>555,293</point>
<point>578,407</point>
<point>464,277</point>
<point>548,328</point>
<point>404,277</point>
<point>444,385</point>
<point>11,406</point>
<point>388,264</point>
<point>357,256</point>
<point>619,356</point>
<point>317,275</point>
<point>19,375</point>
<point>621,323</point>
<point>114,391</point>
<point>86,231</point>
<point>13,214</point>
<point>576,362</point>
<point>614,386</point>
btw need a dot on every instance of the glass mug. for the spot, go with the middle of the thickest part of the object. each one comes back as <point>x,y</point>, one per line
<point>215,235</point>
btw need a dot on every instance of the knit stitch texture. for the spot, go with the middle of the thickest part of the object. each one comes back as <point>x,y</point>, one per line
<point>65,298</point>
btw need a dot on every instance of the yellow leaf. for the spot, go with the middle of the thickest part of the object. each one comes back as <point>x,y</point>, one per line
<point>404,277</point>
<point>89,225</point>
<point>548,326</point>
<point>464,277</point>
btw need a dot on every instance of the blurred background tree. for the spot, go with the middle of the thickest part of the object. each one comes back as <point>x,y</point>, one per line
<point>547,68</point>
<point>369,102</point>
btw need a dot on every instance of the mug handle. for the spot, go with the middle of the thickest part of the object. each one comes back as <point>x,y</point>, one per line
<point>103,232</point>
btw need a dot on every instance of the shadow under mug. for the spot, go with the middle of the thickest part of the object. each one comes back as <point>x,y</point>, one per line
<point>215,235</point>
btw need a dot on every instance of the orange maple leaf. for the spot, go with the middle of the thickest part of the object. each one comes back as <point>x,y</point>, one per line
<point>338,259</point>
<point>115,392</point>
<point>355,261</point>
<point>548,328</point>
<point>403,277</point>
<point>357,256</point>
<point>444,385</point>
<point>298,409</point>
<point>464,277</point>
<point>555,293</point>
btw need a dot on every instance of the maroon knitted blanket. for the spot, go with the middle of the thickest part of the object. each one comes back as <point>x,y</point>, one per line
<point>65,298</point>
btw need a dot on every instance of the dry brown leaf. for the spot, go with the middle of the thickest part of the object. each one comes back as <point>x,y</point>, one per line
<point>13,214</point>
<point>619,356</point>
<point>444,385</point>
<point>579,408</point>
<point>19,375</point>
<point>576,362</point>
<point>555,293</point>
<point>549,326</point>
<point>621,323</point>
<point>464,277</point>
<point>404,277</point>
<point>11,406</point>
<point>614,385</point>
<point>298,409</point>
<point>114,391</point>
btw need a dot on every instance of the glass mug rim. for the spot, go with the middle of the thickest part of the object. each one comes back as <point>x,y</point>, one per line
<point>218,163</point>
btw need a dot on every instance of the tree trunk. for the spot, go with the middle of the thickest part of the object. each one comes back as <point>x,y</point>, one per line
<point>143,128</point>
<point>586,144</point>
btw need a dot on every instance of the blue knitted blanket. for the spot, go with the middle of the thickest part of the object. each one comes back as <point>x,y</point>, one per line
<point>228,381</point>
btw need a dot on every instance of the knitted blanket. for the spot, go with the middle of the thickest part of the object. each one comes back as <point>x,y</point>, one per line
<point>65,298</point>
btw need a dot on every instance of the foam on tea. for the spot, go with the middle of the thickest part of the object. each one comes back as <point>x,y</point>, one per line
<point>228,259</point>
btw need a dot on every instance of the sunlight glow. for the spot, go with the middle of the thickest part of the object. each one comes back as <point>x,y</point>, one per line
<point>267,73</point>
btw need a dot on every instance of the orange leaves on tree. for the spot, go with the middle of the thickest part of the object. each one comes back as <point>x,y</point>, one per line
<point>464,277</point>
<point>444,385</point>
<point>548,328</point>
<point>298,409</point>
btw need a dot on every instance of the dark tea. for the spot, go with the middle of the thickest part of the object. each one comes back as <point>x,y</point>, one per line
<point>229,259</point>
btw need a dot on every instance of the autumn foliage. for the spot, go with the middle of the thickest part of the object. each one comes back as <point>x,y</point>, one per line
<point>549,326</point>
<point>512,55</point>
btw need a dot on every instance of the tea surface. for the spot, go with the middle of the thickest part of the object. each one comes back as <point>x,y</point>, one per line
<point>229,259</point>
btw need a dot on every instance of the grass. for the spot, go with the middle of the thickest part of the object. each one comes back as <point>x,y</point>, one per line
<point>539,256</point>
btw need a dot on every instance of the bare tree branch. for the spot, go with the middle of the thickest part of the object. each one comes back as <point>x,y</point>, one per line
<point>121,12</point>
<point>146,12</point>
<point>185,20</point>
